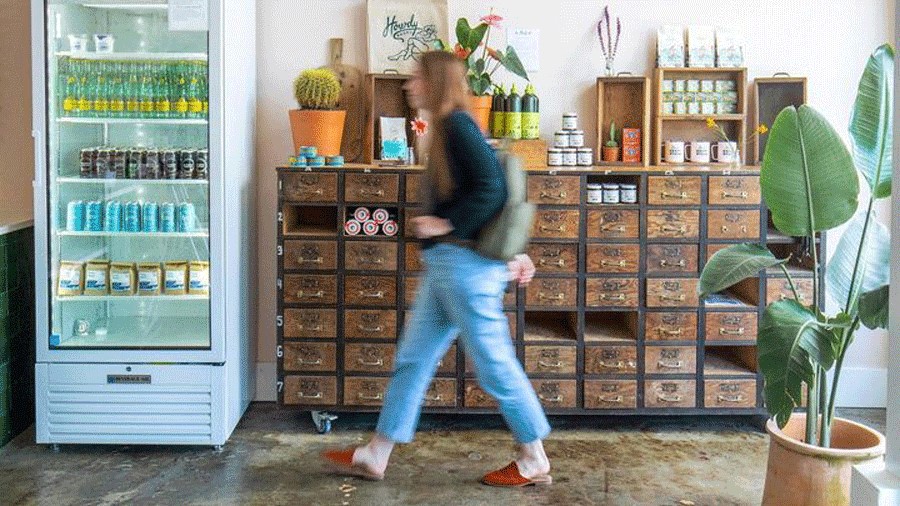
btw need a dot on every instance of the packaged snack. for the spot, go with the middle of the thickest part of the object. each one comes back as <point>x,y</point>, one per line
<point>149,275</point>
<point>71,278</point>
<point>96,277</point>
<point>199,278</point>
<point>670,46</point>
<point>176,276</point>
<point>121,279</point>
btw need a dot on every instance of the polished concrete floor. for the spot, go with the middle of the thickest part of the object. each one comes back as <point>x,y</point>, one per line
<point>272,460</point>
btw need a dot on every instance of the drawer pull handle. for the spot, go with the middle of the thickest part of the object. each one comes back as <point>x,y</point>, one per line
<point>668,398</point>
<point>612,228</point>
<point>666,332</point>
<point>785,296</point>
<point>309,190</point>
<point>676,196</point>
<point>727,332</point>
<point>370,329</point>
<point>558,196</point>
<point>617,296</point>
<point>376,397</point>
<point>612,365</point>
<point>317,260</point>
<point>676,298</point>
<point>666,263</point>
<point>371,193</point>
<point>558,263</point>
<point>317,328</point>
<point>675,230</point>
<point>300,361</point>
<point>371,295</point>
<point>558,297</point>
<point>440,363</point>
<point>620,263</point>
<point>731,398</point>
<point>732,195</point>
<point>670,365</point>
<point>553,365</point>
<point>310,295</point>
<point>743,229</point>
<point>560,228</point>
<point>317,395</point>
<point>434,398</point>
<point>555,398</point>
<point>372,260</point>
<point>611,400</point>
<point>376,363</point>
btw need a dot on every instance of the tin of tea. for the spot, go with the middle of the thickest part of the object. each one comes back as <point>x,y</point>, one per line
<point>167,217</point>
<point>308,151</point>
<point>361,214</point>
<point>334,161</point>
<point>576,138</point>
<point>370,227</point>
<point>150,217</point>
<point>380,215</point>
<point>390,227</point>
<point>570,157</point>
<point>131,219</point>
<point>93,216</point>
<point>352,227</point>
<point>594,193</point>
<point>186,217</point>
<point>112,216</point>
<point>585,157</point>
<point>316,161</point>
<point>570,121</point>
<point>75,216</point>
<point>610,193</point>
<point>561,139</point>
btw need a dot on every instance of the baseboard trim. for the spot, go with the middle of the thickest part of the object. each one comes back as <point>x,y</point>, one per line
<point>862,387</point>
<point>266,373</point>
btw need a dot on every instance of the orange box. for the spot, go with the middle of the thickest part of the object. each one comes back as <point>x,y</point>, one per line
<point>631,154</point>
<point>631,137</point>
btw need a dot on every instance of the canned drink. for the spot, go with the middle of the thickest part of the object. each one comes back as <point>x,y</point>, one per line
<point>170,164</point>
<point>131,219</point>
<point>352,227</point>
<point>150,217</point>
<point>151,164</point>
<point>361,214</point>
<point>201,164</point>
<point>93,216</point>
<point>133,164</point>
<point>370,227</point>
<point>87,163</point>
<point>104,164</point>
<point>186,220</point>
<point>75,216</point>
<point>119,163</point>
<point>167,217</point>
<point>186,164</point>
<point>390,227</point>
<point>112,216</point>
<point>380,215</point>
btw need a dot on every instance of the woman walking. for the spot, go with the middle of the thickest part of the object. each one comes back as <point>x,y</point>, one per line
<point>461,291</point>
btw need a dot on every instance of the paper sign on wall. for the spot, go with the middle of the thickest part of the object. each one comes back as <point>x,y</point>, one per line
<point>188,15</point>
<point>526,42</point>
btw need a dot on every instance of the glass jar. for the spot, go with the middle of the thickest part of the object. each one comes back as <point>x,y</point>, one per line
<point>570,157</point>
<point>628,193</point>
<point>594,193</point>
<point>576,138</point>
<point>585,157</point>
<point>561,139</point>
<point>610,193</point>
<point>554,157</point>
<point>570,121</point>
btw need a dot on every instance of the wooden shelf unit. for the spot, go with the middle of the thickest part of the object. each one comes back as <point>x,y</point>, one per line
<point>770,96</point>
<point>625,100</point>
<point>385,97</point>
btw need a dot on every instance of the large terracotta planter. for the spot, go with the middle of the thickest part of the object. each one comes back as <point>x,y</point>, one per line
<point>481,111</point>
<point>322,129</point>
<point>805,475</point>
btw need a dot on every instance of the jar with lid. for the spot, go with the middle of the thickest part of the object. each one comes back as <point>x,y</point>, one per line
<point>554,157</point>
<point>585,157</point>
<point>561,139</point>
<point>594,193</point>
<point>610,193</point>
<point>628,193</point>
<point>570,121</point>
<point>570,157</point>
<point>576,138</point>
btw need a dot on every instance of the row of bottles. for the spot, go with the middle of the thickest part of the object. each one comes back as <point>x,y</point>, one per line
<point>139,89</point>
<point>514,116</point>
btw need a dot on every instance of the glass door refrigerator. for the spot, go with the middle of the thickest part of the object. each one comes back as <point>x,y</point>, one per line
<point>144,128</point>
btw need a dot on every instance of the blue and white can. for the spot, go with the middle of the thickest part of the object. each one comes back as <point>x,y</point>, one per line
<point>112,216</point>
<point>308,151</point>
<point>93,216</point>
<point>167,217</point>
<point>150,217</point>
<point>75,216</point>
<point>187,217</point>
<point>131,217</point>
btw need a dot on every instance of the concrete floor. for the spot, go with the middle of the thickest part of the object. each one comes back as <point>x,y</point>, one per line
<point>272,459</point>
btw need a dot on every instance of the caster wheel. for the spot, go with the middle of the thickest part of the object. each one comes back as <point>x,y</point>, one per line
<point>322,420</point>
<point>218,448</point>
<point>324,427</point>
<point>54,448</point>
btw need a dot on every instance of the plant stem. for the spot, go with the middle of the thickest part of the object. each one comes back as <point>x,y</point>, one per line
<point>812,409</point>
<point>825,425</point>
<point>853,294</point>
<point>791,282</point>
<point>845,345</point>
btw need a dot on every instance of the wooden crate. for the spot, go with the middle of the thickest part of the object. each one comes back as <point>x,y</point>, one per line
<point>625,100</point>
<point>385,97</point>
<point>770,96</point>
<point>532,152</point>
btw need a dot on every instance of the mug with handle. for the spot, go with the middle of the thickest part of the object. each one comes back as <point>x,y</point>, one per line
<point>697,151</point>
<point>674,151</point>
<point>724,151</point>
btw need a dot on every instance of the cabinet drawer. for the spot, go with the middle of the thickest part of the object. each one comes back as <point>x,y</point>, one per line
<point>613,224</point>
<point>555,394</point>
<point>610,360</point>
<point>613,258</point>
<point>779,289</point>
<point>731,326</point>
<point>371,187</point>
<point>664,258</point>
<point>734,190</point>
<point>612,292</point>
<point>301,289</point>
<point>669,224</point>
<point>441,394</point>
<point>673,292</point>
<point>311,255</point>
<point>370,256</point>
<point>670,360</point>
<point>310,357</point>
<point>729,224</point>
<point>309,187</point>
<point>606,394</point>
<point>413,182</point>
<point>554,190</point>
<point>673,190</point>
<point>369,358</point>
<point>552,292</point>
<point>550,359</point>
<point>368,324</point>
<point>315,323</point>
<point>447,365</point>
<point>556,224</point>
<point>408,214</point>
<point>729,393</point>
<point>670,393</point>
<point>364,391</point>
<point>413,257</point>
<point>712,249</point>
<point>310,390</point>
<point>670,326</point>
<point>370,290</point>
<point>475,397</point>
<point>554,258</point>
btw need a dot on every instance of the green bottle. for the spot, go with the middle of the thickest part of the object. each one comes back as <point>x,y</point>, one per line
<point>531,117</point>
<point>117,94</point>
<point>70,90</point>
<point>85,92</point>
<point>101,89</point>
<point>513,119</point>
<point>132,92</point>
<point>498,114</point>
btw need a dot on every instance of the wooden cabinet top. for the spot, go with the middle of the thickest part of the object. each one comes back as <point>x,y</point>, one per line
<point>595,170</point>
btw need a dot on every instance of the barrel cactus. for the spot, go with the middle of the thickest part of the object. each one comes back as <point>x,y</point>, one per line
<point>317,89</point>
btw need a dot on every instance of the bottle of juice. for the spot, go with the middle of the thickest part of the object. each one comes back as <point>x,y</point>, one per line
<point>85,91</point>
<point>163,105</point>
<point>531,118</point>
<point>117,91</point>
<point>132,92</point>
<point>498,112</point>
<point>69,78</point>
<point>101,89</point>
<point>513,120</point>
<point>194,93</point>
<point>147,95</point>
<point>180,98</point>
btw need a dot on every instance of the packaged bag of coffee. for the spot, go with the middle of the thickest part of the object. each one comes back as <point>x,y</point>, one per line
<point>149,276</point>
<point>199,278</point>
<point>121,279</point>
<point>71,278</point>
<point>96,277</point>
<point>176,276</point>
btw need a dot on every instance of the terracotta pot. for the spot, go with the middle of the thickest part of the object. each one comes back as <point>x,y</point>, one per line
<point>800,474</point>
<point>610,154</point>
<point>322,129</point>
<point>481,111</point>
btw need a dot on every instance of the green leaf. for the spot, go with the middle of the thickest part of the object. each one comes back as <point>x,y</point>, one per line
<point>512,63</point>
<point>872,121</point>
<point>874,261</point>
<point>808,178</point>
<point>791,344</point>
<point>873,308</point>
<point>462,32</point>
<point>733,264</point>
<point>476,36</point>
<point>479,66</point>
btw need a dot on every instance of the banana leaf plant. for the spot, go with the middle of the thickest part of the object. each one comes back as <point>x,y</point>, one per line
<point>810,183</point>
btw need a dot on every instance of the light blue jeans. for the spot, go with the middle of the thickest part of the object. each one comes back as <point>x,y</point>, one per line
<point>461,294</point>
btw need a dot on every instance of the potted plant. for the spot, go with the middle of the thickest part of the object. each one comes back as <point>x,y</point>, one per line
<point>810,184</point>
<point>611,148</point>
<point>473,47</point>
<point>317,122</point>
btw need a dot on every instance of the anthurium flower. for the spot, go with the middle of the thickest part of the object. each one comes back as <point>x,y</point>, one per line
<point>419,126</point>
<point>461,52</point>
<point>493,53</point>
<point>492,20</point>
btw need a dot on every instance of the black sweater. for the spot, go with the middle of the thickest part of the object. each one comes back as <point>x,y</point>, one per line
<point>480,182</point>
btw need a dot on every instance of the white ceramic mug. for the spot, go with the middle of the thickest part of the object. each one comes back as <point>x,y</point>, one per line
<point>697,151</point>
<point>724,152</point>
<point>674,151</point>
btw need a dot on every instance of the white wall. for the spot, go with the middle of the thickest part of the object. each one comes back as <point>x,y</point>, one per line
<point>827,41</point>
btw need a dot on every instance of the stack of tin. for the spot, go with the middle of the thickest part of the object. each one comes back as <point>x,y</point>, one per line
<point>368,222</point>
<point>308,156</point>
<point>144,163</point>
<point>130,217</point>
<point>568,148</point>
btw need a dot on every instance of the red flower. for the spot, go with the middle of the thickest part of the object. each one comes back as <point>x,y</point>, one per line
<point>492,20</point>
<point>419,126</point>
<point>493,54</point>
<point>461,52</point>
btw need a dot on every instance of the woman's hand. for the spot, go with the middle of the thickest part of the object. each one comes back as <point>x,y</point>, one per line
<point>426,227</point>
<point>521,269</point>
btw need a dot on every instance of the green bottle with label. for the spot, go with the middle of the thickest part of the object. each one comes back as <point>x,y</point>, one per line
<point>531,116</point>
<point>513,119</point>
<point>498,112</point>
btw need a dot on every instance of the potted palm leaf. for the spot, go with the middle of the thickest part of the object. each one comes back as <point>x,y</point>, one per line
<point>810,182</point>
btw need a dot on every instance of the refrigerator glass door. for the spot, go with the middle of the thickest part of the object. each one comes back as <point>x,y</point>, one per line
<point>128,174</point>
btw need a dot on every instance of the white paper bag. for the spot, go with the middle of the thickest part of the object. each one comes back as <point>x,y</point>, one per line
<point>701,46</point>
<point>670,46</point>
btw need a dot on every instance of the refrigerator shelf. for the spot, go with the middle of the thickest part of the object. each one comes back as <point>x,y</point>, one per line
<point>133,121</point>
<point>125,182</point>
<point>166,235</point>
<point>130,6</point>
<point>104,298</point>
<point>142,56</point>
<point>124,333</point>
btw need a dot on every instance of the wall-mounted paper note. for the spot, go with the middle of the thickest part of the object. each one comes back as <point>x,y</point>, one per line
<point>188,15</point>
<point>393,138</point>
<point>526,42</point>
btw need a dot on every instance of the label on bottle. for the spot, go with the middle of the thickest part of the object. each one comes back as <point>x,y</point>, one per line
<point>147,105</point>
<point>531,125</point>
<point>116,105</point>
<point>195,106</point>
<point>132,106</point>
<point>499,125</point>
<point>70,104</point>
<point>163,105</point>
<point>101,105</point>
<point>513,125</point>
<point>84,104</point>
<point>181,106</point>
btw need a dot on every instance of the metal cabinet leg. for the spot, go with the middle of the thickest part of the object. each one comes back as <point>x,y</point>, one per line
<point>322,420</point>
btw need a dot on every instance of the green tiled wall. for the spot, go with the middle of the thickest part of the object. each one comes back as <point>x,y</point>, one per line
<point>16,333</point>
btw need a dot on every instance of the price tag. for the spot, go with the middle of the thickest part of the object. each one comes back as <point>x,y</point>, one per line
<point>607,172</point>
<point>552,172</point>
<point>308,169</point>
<point>367,171</point>
<point>669,173</point>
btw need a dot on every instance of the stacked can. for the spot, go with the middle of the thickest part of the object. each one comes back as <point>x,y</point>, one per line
<point>167,217</point>
<point>186,219</point>
<point>133,164</point>
<point>186,165</point>
<point>170,164</point>
<point>75,216</point>
<point>307,152</point>
<point>93,216</point>
<point>87,163</point>
<point>131,217</point>
<point>119,163</point>
<point>103,164</point>
<point>112,216</point>
<point>201,164</point>
<point>150,217</point>
<point>316,161</point>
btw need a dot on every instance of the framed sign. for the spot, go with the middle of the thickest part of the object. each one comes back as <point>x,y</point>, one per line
<point>401,30</point>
